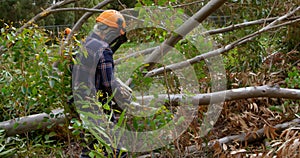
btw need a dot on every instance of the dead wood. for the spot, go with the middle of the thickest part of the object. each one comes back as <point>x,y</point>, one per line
<point>243,137</point>
<point>228,95</point>
<point>33,122</point>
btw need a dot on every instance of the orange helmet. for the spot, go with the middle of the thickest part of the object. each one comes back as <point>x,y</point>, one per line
<point>112,18</point>
<point>67,31</point>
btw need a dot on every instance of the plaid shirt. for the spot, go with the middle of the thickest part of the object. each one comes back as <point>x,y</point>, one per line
<point>96,71</point>
<point>104,75</point>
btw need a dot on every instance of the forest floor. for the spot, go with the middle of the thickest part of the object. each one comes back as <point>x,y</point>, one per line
<point>254,127</point>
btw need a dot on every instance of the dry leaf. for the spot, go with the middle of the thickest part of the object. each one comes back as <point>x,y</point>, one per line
<point>225,147</point>
<point>238,151</point>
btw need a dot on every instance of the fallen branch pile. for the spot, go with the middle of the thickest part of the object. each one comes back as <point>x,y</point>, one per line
<point>217,145</point>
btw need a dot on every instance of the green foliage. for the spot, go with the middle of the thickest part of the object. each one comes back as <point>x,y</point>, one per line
<point>142,124</point>
<point>29,84</point>
<point>293,79</point>
<point>32,145</point>
<point>16,11</point>
<point>7,148</point>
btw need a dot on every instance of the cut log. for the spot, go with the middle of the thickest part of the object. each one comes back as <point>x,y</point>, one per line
<point>229,95</point>
<point>33,122</point>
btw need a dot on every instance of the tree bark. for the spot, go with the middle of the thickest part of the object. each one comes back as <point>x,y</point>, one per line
<point>32,122</point>
<point>209,32</point>
<point>233,94</point>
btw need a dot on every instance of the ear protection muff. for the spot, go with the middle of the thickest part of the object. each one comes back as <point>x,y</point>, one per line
<point>121,28</point>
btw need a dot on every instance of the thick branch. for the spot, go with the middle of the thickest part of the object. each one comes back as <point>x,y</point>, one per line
<point>199,17</point>
<point>183,30</point>
<point>242,25</point>
<point>249,137</point>
<point>32,122</point>
<point>233,94</point>
<point>76,9</point>
<point>84,18</point>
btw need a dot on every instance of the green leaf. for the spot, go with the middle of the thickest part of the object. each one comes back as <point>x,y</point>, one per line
<point>76,132</point>
<point>16,125</point>
<point>8,152</point>
<point>121,119</point>
<point>51,83</point>
<point>23,89</point>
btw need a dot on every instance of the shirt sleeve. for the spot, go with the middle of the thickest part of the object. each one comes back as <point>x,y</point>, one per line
<point>105,79</point>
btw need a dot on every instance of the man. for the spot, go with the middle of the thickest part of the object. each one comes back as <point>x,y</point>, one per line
<point>93,75</point>
<point>67,31</point>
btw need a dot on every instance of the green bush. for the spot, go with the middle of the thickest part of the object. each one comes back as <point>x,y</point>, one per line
<point>28,82</point>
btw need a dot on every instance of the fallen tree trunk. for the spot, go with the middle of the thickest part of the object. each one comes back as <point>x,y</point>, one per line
<point>33,122</point>
<point>38,121</point>
<point>233,94</point>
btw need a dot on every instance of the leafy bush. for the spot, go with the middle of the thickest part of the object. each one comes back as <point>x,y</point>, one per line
<point>29,84</point>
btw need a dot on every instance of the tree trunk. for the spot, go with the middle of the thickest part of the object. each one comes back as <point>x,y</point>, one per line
<point>33,122</point>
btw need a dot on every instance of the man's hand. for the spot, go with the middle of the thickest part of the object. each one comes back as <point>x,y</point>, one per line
<point>125,90</point>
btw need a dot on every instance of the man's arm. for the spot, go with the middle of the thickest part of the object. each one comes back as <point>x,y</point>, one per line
<point>108,84</point>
